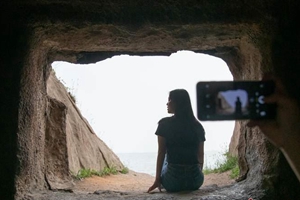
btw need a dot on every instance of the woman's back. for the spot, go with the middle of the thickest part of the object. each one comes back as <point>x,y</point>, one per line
<point>182,139</point>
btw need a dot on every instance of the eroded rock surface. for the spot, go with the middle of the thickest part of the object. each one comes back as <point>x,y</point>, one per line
<point>71,143</point>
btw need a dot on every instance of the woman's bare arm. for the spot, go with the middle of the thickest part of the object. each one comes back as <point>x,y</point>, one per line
<point>201,155</point>
<point>160,156</point>
<point>159,163</point>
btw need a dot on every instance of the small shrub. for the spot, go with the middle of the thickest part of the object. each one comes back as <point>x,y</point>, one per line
<point>235,172</point>
<point>85,173</point>
<point>69,90</point>
<point>108,171</point>
<point>72,97</point>
<point>230,163</point>
<point>125,170</point>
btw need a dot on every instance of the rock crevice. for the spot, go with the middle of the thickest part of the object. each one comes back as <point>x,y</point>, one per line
<point>71,143</point>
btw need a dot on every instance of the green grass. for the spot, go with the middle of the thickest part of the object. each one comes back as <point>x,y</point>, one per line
<point>85,173</point>
<point>230,163</point>
<point>108,170</point>
<point>125,170</point>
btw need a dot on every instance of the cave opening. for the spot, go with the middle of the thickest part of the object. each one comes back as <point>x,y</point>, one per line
<point>116,94</point>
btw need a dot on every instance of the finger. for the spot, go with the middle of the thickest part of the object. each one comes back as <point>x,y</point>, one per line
<point>153,187</point>
<point>279,86</point>
<point>268,76</point>
<point>266,126</point>
<point>279,97</point>
<point>159,187</point>
<point>280,89</point>
<point>150,189</point>
<point>252,123</point>
<point>271,98</point>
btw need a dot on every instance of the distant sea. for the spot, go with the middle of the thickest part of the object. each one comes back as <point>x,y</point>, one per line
<point>146,162</point>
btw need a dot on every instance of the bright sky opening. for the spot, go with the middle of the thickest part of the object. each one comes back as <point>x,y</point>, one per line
<point>124,97</point>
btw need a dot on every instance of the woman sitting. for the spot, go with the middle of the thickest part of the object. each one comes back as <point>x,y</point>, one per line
<point>180,147</point>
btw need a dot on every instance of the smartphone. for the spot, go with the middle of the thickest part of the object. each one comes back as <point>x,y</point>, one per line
<point>234,100</point>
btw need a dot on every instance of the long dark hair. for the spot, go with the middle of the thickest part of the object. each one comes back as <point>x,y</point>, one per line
<point>182,104</point>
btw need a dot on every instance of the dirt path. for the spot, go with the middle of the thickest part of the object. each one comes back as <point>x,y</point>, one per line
<point>133,186</point>
<point>137,182</point>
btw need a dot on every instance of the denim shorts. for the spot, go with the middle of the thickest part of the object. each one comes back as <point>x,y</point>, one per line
<point>175,178</point>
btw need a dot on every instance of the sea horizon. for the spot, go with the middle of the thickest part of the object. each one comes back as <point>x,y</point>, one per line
<point>145,162</point>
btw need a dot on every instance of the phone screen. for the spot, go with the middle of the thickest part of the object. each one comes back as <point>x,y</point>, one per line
<point>234,100</point>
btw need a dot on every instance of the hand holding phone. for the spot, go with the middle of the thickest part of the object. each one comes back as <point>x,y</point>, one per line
<point>234,100</point>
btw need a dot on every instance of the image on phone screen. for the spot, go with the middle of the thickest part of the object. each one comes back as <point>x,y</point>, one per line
<point>230,100</point>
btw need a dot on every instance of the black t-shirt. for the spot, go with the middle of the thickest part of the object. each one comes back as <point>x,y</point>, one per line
<point>182,139</point>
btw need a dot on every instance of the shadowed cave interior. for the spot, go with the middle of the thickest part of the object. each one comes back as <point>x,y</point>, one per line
<point>240,33</point>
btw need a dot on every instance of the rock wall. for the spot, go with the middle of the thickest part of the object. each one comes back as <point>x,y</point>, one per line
<point>233,145</point>
<point>71,143</point>
<point>57,171</point>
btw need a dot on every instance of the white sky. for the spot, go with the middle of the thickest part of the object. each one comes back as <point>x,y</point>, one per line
<point>124,97</point>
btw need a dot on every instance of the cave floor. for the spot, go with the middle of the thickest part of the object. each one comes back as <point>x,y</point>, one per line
<point>134,186</point>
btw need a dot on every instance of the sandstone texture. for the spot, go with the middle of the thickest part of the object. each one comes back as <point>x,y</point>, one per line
<point>71,143</point>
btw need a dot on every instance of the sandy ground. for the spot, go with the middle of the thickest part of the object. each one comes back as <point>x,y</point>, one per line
<point>137,182</point>
<point>134,186</point>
